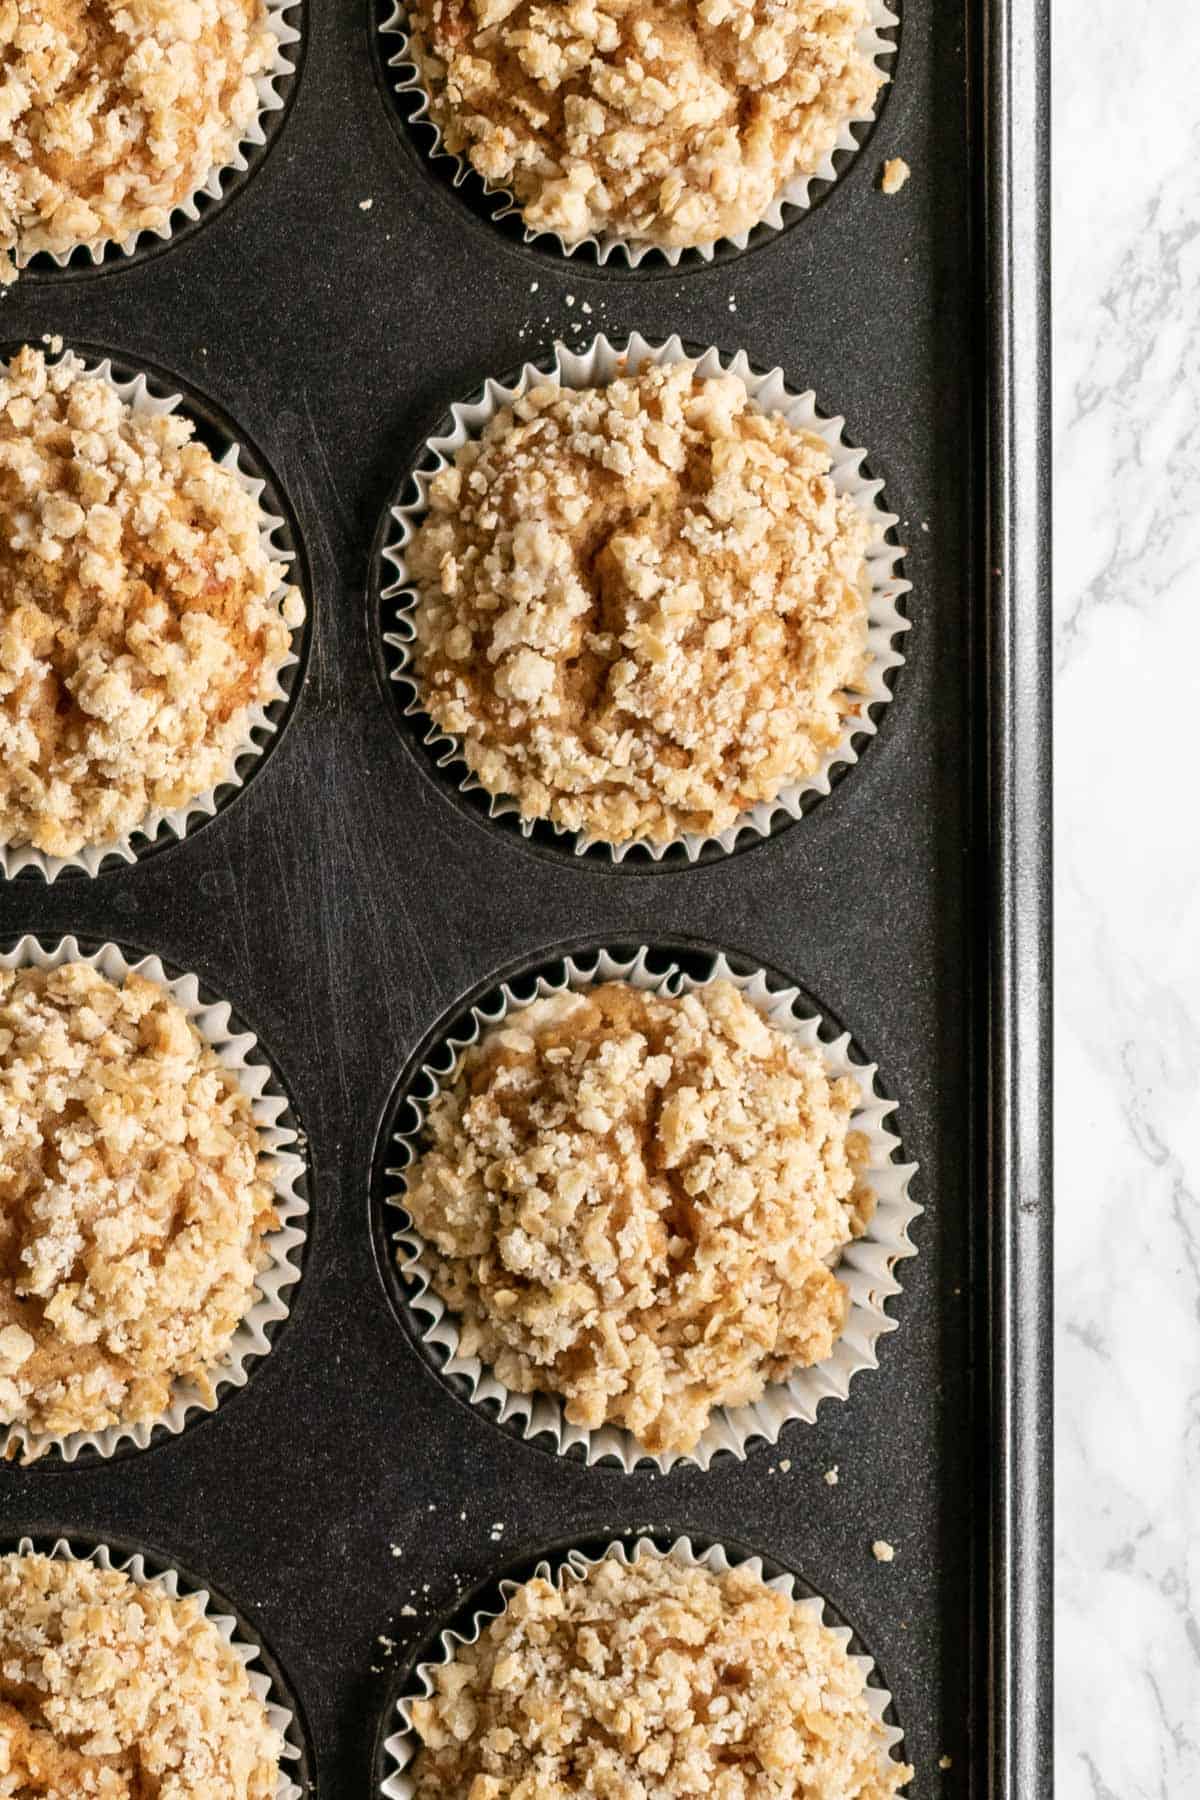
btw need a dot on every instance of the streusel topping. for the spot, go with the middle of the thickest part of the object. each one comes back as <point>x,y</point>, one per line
<point>666,123</point>
<point>141,620</point>
<point>652,1679</point>
<point>114,1691</point>
<point>112,115</point>
<point>641,608</point>
<point>632,1200</point>
<point>134,1199</point>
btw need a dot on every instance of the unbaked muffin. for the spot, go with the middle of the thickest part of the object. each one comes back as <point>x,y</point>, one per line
<point>112,115</point>
<point>112,1690</point>
<point>134,1201</point>
<point>652,1678</point>
<point>632,1200</point>
<point>652,121</point>
<point>641,608</point>
<point>141,619</point>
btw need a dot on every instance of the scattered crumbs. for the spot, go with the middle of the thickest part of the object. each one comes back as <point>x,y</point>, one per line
<point>830,1476</point>
<point>377,1668</point>
<point>771,1469</point>
<point>396,1550</point>
<point>365,205</point>
<point>570,299</point>
<point>895,173</point>
<point>388,1643</point>
<point>882,1551</point>
<point>54,344</point>
<point>407,1611</point>
<point>497,1531</point>
<point>945,1762</point>
<point>732,303</point>
<point>924,524</point>
<point>433,1506</point>
<point>534,286</point>
<point>586,307</point>
<point>785,1465</point>
<point>463,1513</point>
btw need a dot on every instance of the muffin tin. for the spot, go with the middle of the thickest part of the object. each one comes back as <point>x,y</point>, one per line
<point>348,1499</point>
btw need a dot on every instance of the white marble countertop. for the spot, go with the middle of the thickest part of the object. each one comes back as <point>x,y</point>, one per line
<point>1127,567</point>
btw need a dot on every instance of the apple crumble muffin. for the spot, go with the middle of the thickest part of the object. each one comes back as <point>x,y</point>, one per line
<point>652,1678</point>
<point>112,116</point>
<point>133,1201</point>
<point>632,1200</point>
<point>115,1690</point>
<point>671,124</point>
<point>641,608</point>
<point>141,620</point>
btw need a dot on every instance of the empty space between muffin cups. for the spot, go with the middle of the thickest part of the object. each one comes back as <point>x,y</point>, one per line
<point>597,367</point>
<point>865,1266</point>
<point>280,1163</point>
<point>399,1751</point>
<point>265,718</point>
<point>407,66</point>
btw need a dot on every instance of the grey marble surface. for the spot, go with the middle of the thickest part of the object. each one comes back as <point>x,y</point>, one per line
<point>1127,555</point>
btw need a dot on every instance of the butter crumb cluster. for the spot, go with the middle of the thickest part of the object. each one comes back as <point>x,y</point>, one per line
<point>641,608</point>
<point>632,1200</point>
<point>141,620</point>
<point>670,123</point>
<point>110,1690</point>
<point>134,1200</point>
<point>112,115</point>
<point>652,1679</point>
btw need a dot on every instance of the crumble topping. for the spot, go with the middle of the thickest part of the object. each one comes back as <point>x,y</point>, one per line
<point>117,1691</point>
<point>672,124</point>
<point>632,1200</point>
<point>652,1679</point>
<point>112,115</point>
<point>133,1202</point>
<point>895,173</point>
<point>140,618</point>
<point>641,608</point>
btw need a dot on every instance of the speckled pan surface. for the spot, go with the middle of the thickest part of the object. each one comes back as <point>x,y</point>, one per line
<point>348,901</point>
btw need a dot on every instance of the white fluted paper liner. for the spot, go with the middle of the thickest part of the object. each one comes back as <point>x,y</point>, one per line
<point>866,1265</point>
<point>600,363</point>
<point>241,1054</point>
<point>270,100</point>
<point>403,1745</point>
<point>176,819</point>
<point>408,82</point>
<point>167,1581</point>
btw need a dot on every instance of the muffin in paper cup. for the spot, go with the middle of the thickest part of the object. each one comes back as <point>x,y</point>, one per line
<point>403,75</point>
<point>596,366</point>
<point>398,1750</point>
<point>865,1267</point>
<point>147,1570</point>
<point>285,1167</point>
<point>165,825</point>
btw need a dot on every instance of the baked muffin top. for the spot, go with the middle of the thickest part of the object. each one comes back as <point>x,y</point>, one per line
<point>656,121</point>
<point>632,1200</point>
<point>141,619</point>
<point>641,608</point>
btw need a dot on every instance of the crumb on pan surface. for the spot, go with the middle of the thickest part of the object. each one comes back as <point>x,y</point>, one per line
<point>141,620</point>
<point>631,1200</point>
<point>895,173</point>
<point>641,608</point>
<point>113,115</point>
<point>652,1679</point>
<point>133,1201</point>
<point>670,123</point>
<point>114,1691</point>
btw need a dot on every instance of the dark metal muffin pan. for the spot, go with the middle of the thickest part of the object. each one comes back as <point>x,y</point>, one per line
<point>344,905</point>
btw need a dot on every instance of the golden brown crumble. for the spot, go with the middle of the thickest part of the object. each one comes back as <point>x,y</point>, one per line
<point>112,115</point>
<point>642,608</point>
<point>632,1200</point>
<point>133,1201</point>
<point>652,1679</point>
<point>140,618</point>
<point>673,124</point>
<point>895,173</point>
<point>114,1691</point>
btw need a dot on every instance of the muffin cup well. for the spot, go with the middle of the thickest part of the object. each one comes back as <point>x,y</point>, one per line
<point>242,1055</point>
<point>866,1265</point>
<point>597,365</point>
<point>403,77</point>
<point>400,1749</point>
<point>163,824</point>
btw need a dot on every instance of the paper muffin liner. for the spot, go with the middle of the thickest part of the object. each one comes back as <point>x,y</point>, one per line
<point>597,365</point>
<point>165,822</point>
<point>795,196</point>
<point>242,1055</point>
<point>866,1265</point>
<point>133,1564</point>
<point>401,1749</point>
<point>211,191</point>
